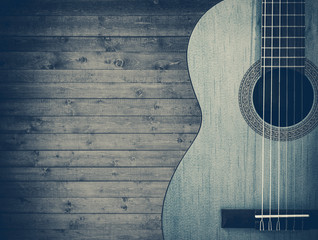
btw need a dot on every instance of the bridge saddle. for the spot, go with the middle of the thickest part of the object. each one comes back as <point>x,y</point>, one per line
<point>284,220</point>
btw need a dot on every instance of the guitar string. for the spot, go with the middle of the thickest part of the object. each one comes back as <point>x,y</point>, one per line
<point>302,23</point>
<point>302,116</point>
<point>287,119</point>
<point>261,226</point>
<point>294,122</point>
<point>270,228</point>
<point>279,111</point>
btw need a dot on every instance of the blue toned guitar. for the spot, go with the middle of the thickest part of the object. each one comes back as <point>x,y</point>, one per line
<point>252,171</point>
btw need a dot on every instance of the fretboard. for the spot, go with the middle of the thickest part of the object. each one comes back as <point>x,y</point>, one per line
<point>283,33</point>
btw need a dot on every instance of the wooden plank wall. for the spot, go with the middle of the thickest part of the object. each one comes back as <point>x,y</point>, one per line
<point>96,111</point>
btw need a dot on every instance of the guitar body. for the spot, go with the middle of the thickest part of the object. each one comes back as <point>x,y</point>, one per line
<point>222,169</point>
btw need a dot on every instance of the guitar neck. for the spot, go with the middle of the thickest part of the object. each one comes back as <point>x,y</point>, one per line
<point>283,33</point>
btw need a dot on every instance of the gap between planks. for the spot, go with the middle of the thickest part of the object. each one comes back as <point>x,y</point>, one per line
<point>94,76</point>
<point>61,158</point>
<point>97,174</point>
<point>100,125</point>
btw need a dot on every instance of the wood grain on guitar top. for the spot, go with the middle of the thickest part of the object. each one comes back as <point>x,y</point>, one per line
<point>222,168</point>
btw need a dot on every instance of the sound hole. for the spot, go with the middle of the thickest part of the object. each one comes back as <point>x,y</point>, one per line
<point>287,106</point>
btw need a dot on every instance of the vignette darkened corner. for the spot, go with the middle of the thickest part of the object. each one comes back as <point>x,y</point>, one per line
<point>158,119</point>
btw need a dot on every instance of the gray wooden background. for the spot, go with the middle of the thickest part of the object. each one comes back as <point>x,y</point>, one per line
<point>96,112</point>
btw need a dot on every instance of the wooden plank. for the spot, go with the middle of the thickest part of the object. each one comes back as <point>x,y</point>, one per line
<point>136,2</point>
<point>96,234</point>
<point>34,210</point>
<point>133,124</point>
<point>92,61</point>
<point>156,25</point>
<point>86,174</point>
<point>106,44</point>
<point>96,90</point>
<point>95,141</point>
<point>115,7</point>
<point>101,107</point>
<point>81,205</point>
<point>90,158</point>
<point>94,76</point>
<point>83,189</point>
<point>80,221</point>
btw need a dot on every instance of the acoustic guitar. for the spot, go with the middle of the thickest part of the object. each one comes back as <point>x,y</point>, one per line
<point>252,171</point>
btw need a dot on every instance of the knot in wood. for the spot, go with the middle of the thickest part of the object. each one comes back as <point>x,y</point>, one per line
<point>119,63</point>
<point>139,92</point>
<point>156,106</point>
<point>114,163</point>
<point>161,66</point>
<point>36,153</point>
<point>45,171</point>
<point>124,207</point>
<point>180,140</point>
<point>36,158</point>
<point>164,64</point>
<point>110,49</point>
<point>89,142</point>
<point>51,66</point>
<point>68,207</point>
<point>107,39</point>
<point>107,61</point>
<point>38,122</point>
<point>68,102</point>
<point>82,60</point>
<point>150,118</point>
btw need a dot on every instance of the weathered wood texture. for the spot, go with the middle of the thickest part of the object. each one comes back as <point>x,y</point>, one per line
<point>116,124</point>
<point>86,174</point>
<point>79,221</point>
<point>79,189</point>
<point>92,61</point>
<point>94,76</point>
<point>108,44</point>
<point>96,90</point>
<point>96,111</point>
<point>98,234</point>
<point>81,205</point>
<point>108,7</point>
<point>124,26</point>
<point>96,141</point>
<point>100,107</point>
<point>90,158</point>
